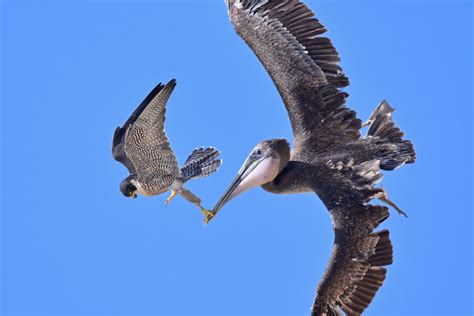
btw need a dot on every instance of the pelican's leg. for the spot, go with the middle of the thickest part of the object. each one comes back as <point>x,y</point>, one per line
<point>172,195</point>
<point>383,196</point>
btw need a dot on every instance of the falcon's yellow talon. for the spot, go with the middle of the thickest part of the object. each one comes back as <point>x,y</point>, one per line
<point>208,215</point>
<point>172,195</point>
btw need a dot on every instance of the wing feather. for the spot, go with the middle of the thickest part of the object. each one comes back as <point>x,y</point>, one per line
<point>118,141</point>
<point>147,145</point>
<point>356,269</point>
<point>286,37</point>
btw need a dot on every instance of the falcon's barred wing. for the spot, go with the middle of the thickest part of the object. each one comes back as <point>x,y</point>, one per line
<point>118,142</point>
<point>286,37</point>
<point>355,271</point>
<point>147,145</point>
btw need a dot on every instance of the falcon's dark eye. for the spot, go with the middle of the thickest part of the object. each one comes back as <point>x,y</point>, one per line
<point>131,189</point>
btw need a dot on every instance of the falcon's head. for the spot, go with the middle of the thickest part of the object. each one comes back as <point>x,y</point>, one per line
<point>127,188</point>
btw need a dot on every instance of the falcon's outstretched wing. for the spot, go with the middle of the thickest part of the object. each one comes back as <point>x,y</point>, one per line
<point>118,142</point>
<point>356,268</point>
<point>145,142</point>
<point>286,37</point>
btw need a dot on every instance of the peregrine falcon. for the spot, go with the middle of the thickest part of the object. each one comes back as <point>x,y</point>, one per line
<point>142,146</point>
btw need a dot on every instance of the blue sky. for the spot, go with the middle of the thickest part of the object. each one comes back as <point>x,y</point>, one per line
<point>73,245</point>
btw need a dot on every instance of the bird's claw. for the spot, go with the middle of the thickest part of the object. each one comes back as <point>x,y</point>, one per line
<point>401,212</point>
<point>208,215</point>
<point>168,200</point>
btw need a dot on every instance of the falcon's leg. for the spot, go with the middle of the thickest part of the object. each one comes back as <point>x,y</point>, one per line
<point>383,196</point>
<point>172,195</point>
<point>189,196</point>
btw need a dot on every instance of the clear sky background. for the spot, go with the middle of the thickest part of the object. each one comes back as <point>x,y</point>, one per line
<point>73,245</point>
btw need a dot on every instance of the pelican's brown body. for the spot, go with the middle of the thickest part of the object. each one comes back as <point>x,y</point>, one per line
<point>329,157</point>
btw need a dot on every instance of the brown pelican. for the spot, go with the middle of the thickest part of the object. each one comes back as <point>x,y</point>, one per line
<point>329,156</point>
<point>142,146</point>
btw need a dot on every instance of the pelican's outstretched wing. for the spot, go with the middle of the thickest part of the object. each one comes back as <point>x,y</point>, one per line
<point>356,268</point>
<point>286,37</point>
<point>143,144</point>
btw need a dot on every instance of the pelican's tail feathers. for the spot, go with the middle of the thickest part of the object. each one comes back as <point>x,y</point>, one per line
<point>382,126</point>
<point>200,163</point>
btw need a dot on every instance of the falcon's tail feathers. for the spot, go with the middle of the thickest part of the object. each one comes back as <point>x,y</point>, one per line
<point>382,126</point>
<point>201,163</point>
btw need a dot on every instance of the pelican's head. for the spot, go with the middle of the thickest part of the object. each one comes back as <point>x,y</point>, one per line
<point>262,165</point>
<point>127,187</point>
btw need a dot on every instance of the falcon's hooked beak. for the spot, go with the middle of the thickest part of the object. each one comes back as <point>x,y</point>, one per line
<point>257,169</point>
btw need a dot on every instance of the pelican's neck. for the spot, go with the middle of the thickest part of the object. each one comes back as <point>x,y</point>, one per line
<point>282,151</point>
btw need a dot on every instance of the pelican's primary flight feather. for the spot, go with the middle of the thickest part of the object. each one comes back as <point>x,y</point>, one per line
<point>142,146</point>
<point>329,157</point>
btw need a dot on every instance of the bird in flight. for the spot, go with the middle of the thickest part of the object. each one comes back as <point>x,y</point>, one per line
<point>142,146</point>
<point>329,156</point>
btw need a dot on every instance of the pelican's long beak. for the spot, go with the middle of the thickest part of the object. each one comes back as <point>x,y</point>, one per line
<point>254,172</point>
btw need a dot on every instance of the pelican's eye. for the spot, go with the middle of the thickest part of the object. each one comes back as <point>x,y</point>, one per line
<point>258,152</point>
